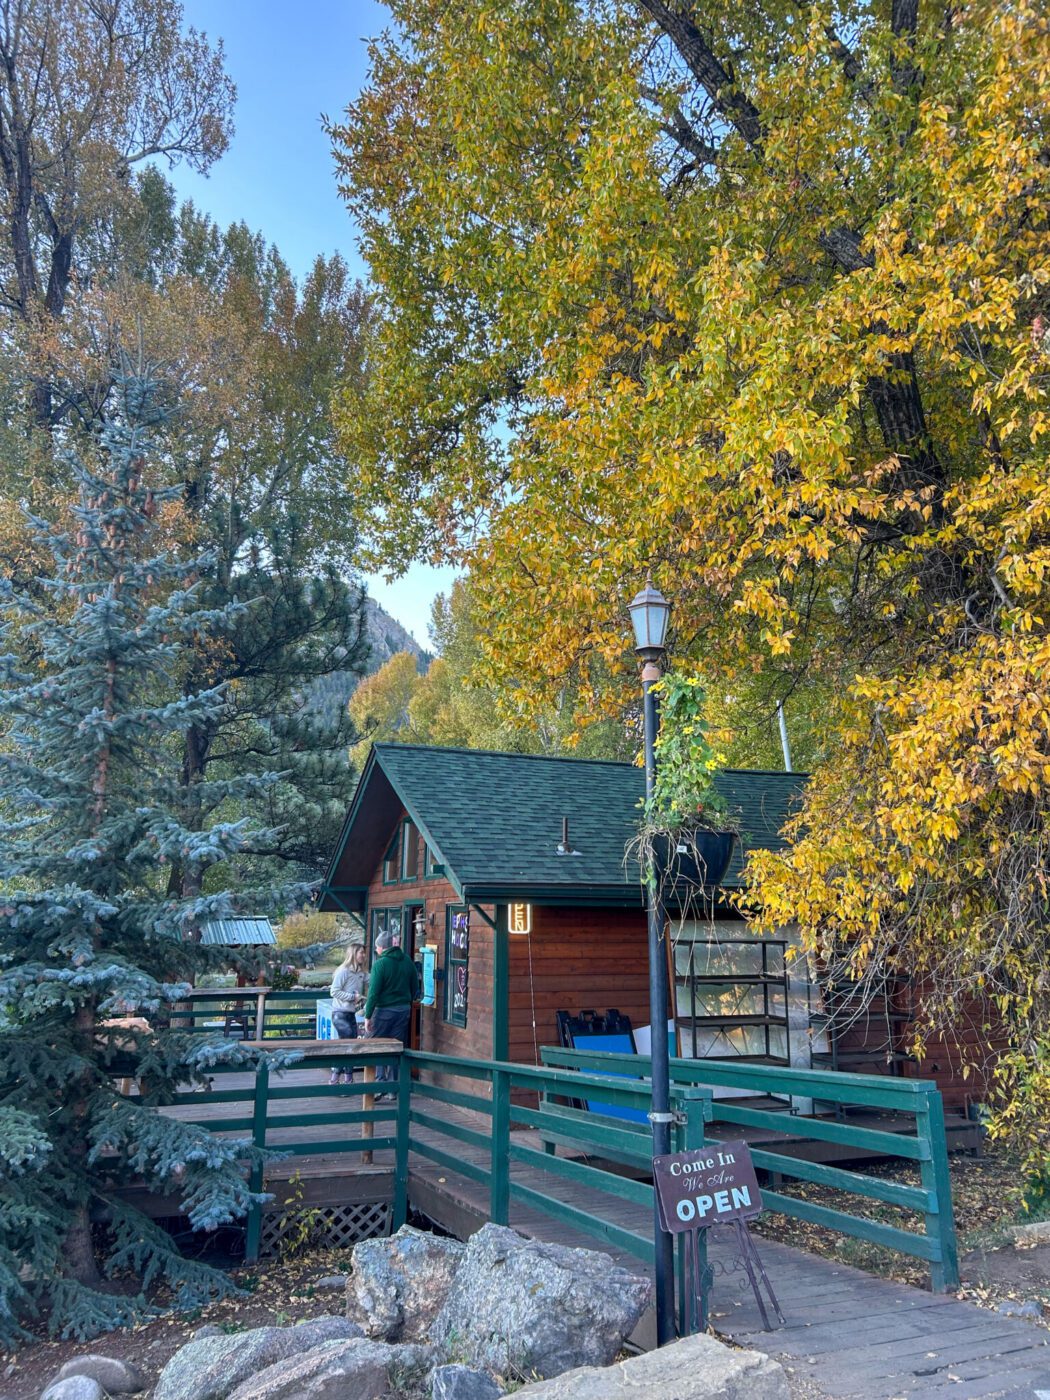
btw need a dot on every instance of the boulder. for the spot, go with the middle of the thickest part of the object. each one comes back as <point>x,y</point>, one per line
<point>115,1377</point>
<point>209,1368</point>
<point>462,1383</point>
<point>1031,1308</point>
<point>398,1285</point>
<point>522,1308</point>
<point>74,1388</point>
<point>1033,1233</point>
<point>696,1368</point>
<point>356,1370</point>
<point>329,1327</point>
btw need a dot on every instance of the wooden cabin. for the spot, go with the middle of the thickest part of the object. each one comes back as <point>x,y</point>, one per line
<point>463,851</point>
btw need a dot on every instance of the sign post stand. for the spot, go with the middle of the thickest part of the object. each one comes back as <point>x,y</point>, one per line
<point>702,1189</point>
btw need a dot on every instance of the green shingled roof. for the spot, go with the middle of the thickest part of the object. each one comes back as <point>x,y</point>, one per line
<point>494,820</point>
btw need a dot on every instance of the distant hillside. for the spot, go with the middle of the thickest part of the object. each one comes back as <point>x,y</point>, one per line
<point>386,637</point>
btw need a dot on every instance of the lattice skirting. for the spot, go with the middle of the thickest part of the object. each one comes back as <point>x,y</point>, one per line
<point>334,1226</point>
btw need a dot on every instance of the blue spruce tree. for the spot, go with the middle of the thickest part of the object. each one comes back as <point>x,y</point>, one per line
<point>94,710</point>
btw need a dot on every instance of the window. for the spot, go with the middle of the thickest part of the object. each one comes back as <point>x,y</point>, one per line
<point>409,851</point>
<point>457,954</point>
<point>385,921</point>
<point>433,869</point>
<point>390,866</point>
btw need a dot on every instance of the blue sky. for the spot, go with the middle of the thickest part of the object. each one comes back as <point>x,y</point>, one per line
<point>291,61</point>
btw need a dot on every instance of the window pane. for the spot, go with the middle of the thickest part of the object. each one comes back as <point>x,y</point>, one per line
<point>390,862</point>
<point>409,852</point>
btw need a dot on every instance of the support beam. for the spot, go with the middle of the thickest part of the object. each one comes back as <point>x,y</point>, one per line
<point>500,985</point>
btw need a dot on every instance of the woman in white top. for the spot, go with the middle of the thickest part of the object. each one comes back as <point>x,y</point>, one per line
<point>349,986</point>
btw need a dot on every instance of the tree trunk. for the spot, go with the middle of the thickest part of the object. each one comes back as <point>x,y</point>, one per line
<point>78,1247</point>
<point>185,881</point>
<point>79,1251</point>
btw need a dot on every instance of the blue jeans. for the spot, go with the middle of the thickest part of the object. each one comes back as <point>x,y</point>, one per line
<point>390,1023</point>
<point>345,1023</point>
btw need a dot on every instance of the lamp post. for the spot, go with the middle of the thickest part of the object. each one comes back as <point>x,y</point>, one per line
<point>649,613</point>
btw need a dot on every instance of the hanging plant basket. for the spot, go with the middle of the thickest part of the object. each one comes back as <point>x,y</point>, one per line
<point>691,860</point>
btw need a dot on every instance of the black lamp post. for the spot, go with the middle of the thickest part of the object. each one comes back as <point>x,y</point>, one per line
<point>649,613</point>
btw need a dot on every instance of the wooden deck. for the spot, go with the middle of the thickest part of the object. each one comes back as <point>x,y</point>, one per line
<point>853,1336</point>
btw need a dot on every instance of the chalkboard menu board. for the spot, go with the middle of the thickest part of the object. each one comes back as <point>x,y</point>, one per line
<point>457,961</point>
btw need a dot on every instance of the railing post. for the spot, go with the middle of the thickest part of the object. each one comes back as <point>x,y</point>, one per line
<point>499,1178</point>
<point>692,1109</point>
<point>404,1108</point>
<point>255,1181</point>
<point>929,1122</point>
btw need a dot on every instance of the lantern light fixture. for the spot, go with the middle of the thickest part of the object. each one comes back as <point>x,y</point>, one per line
<point>649,611</point>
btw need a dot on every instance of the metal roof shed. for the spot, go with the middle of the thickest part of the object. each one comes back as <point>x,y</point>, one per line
<point>238,933</point>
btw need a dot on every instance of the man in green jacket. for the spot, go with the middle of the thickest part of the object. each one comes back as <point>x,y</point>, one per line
<point>392,988</point>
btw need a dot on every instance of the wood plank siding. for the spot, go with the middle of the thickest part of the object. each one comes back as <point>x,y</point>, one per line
<point>575,959</point>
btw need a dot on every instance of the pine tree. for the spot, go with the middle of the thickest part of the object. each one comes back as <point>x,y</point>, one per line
<point>290,626</point>
<point>90,823</point>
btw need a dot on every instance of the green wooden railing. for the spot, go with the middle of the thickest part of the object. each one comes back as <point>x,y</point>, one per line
<point>252,1112</point>
<point>480,1147</point>
<point>610,1140</point>
<point>291,1014</point>
<point>916,1102</point>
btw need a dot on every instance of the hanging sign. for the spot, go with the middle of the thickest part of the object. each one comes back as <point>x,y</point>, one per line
<point>519,918</point>
<point>708,1186</point>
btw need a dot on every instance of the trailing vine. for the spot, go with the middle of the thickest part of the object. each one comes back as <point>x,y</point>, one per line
<point>685,795</point>
<point>685,805</point>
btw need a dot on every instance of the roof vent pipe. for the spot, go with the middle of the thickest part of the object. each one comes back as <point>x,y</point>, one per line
<point>565,848</point>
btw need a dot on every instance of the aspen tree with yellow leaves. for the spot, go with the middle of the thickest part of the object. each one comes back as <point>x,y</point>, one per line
<point>755,297</point>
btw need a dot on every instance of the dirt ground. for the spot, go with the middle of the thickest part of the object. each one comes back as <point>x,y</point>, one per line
<point>277,1293</point>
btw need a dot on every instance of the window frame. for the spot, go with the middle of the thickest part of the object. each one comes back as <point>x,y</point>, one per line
<point>392,856</point>
<point>408,824</point>
<point>380,918</point>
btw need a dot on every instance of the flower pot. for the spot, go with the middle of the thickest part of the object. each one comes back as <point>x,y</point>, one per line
<point>695,861</point>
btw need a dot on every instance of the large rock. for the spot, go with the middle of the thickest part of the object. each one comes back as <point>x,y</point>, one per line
<point>455,1382</point>
<point>74,1388</point>
<point>115,1377</point>
<point>522,1308</point>
<point>696,1368</point>
<point>211,1367</point>
<point>357,1370</point>
<point>398,1285</point>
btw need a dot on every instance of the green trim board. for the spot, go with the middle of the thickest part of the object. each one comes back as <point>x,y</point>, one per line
<point>493,821</point>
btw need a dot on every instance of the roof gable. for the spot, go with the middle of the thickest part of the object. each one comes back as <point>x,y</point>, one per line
<point>494,820</point>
